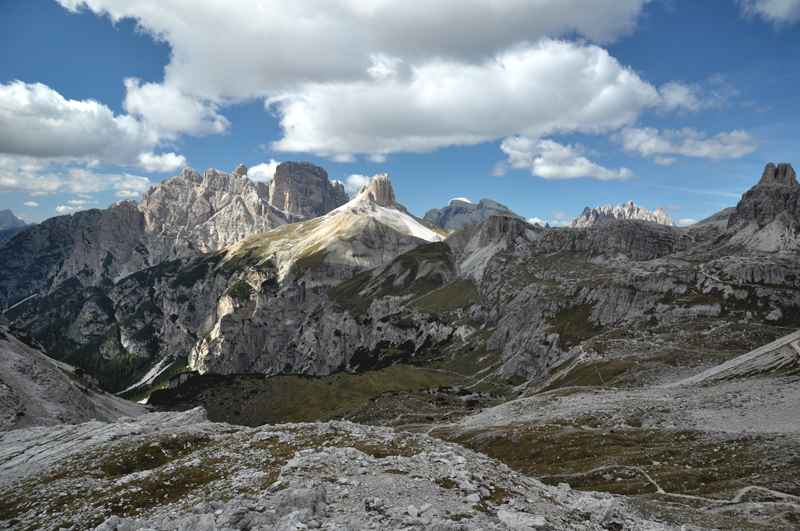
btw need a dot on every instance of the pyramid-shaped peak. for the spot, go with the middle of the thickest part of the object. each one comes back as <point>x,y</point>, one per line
<point>241,169</point>
<point>783,173</point>
<point>379,190</point>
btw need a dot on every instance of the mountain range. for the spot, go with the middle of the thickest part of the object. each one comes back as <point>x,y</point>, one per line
<point>597,215</point>
<point>623,330</point>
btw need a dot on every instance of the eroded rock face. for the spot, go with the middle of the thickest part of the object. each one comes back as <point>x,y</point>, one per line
<point>629,210</point>
<point>303,189</point>
<point>379,191</point>
<point>782,174</point>
<point>778,191</point>
<point>183,216</point>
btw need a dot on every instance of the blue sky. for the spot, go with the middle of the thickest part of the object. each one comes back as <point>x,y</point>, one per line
<point>546,106</point>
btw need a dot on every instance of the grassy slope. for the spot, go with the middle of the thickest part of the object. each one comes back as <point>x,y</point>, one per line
<point>252,400</point>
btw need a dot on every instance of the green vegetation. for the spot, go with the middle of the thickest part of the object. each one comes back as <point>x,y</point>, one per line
<point>574,325</point>
<point>161,381</point>
<point>308,262</point>
<point>240,291</point>
<point>195,271</point>
<point>348,295</point>
<point>454,295</point>
<point>252,399</point>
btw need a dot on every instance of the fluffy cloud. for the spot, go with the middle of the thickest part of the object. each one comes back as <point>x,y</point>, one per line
<point>270,46</point>
<point>550,160</point>
<point>687,221</point>
<point>687,142</point>
<point>263,172</point>
<point>27,174</point>
<point>355,182</point>
<point>664,161</point>
<point>37,121</point>
<point>162,163</point>
<point>535,90</point>
<point>380,77</point>
<point>31,203</point>
<point>63,209</point>
<point>779,12</point>
<point>171,110</point>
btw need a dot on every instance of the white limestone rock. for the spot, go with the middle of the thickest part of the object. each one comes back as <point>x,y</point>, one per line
<point>593,216</point>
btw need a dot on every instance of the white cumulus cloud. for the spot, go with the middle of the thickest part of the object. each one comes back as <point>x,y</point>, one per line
<point>355,182</point>
<point>38,177</point>
<point>171,110</point>
<point>550,160</point>
<point>63,209</point>
<point>779,12</point>
<point>533,90</point>
<point>649,142</point>
<point>36,121</point>
<point>264,171</point>
<point>162,163</point>
<point>373,78</point>
<point>31,203</point>
<point>687,221</point>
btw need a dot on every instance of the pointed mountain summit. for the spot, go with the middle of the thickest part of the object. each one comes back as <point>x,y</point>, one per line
<point>461,211</point>
<point>782,174</point>
<point>593,216</point>
<point>9,221</point>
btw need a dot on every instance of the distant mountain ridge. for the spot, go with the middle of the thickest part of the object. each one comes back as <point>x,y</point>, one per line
<point>9,221</point>
<point>182,216</point>
<point>593,216</point>
<point>368,285</point>
<point>461,211</point>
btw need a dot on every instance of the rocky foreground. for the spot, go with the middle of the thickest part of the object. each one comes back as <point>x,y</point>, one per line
<point>171,471</point>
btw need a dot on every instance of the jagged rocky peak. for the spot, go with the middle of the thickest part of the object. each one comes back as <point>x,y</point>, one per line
<point>303,189</point>
<point>783,173</point>
<point>593,216</point>
<point>379,190</point>
<point>776,195</point>
<point>241,169</point>
<point>461,211</point>
<point>191,175</point>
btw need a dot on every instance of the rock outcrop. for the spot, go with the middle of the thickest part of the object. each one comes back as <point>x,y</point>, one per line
<point>593,216</point>
<point>279,478</point>
<point>183,216</point>
<point>379,191</point>
<point>303,189</point>
<point>778,191</point>
<point>460,212</point>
